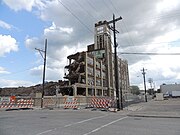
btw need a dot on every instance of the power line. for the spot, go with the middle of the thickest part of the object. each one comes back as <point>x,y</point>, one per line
<point>145,44</point>
<point>94,8</point>
<point>85,9</point>
<point>165,16</point>
<point>129,53</point>
<point>107,5</point>
<point>176,13</point>
<point>156,18</point>
<point>113,6</point>
<point>76,17</point>
<point>125,26</point>
<point>122,31</point>
<point>23,70</point>
<point>131,41</point>
<point>91,6</point>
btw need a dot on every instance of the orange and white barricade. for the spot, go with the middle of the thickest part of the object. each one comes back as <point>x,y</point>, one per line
<point>22,103</point>
<point>13,103</point>
<point>7,102</point>
<point>104,103</point>
<point>8,105</point>
<point>70,103</point>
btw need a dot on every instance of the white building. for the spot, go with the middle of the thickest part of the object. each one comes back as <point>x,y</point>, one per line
<point>170,89</point>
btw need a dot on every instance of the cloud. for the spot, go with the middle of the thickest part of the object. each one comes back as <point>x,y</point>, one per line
<point>7,44</point>
<point>149,26</point>
<point>33,42</point>
<point>56,61</point>
<point>27,5</point>
<point>166,5</point>
<point>20,4</point>
<point>5,25</point>
<point>60,45</point>
<point>3,71</point>
<point>14,83</point>
<point>163,69</point>
<point>52,73</point>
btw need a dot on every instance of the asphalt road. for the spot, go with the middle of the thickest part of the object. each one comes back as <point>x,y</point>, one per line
<point>83,122</point>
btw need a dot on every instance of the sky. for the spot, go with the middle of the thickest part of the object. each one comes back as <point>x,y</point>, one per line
<point>148,26</point>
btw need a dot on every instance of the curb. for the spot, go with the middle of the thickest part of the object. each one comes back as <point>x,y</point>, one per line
<point>153,116</point>
<point>18,109</point>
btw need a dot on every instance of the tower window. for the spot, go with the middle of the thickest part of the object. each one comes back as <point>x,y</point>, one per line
<point>99,30</point>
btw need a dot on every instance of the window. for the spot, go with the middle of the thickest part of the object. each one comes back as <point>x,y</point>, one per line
<point>90,61</point>
<point>99,30</point>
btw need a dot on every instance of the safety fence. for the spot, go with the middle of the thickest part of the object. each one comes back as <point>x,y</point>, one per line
<point>71,102</point>
<point>15,103</point>
<point>102,102</point>
<point>65,102</point>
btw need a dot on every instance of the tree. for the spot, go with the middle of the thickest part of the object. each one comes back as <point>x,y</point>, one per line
<point>135,90</point>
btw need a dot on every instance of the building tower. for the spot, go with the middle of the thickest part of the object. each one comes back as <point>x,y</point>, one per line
<point>102,41</point>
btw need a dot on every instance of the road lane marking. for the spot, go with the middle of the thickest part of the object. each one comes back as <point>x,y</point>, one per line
<point>79,122</point>
<point>85,120</point>
<point>99,128</point>
<point>47,131</point>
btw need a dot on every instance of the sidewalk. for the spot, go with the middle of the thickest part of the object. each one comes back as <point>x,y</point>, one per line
<point>160,109</point>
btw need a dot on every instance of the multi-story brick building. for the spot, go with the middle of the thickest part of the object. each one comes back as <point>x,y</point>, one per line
<point>91,73</point>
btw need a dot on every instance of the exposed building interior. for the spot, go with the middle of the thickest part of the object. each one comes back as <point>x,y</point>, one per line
<point>91,73</point>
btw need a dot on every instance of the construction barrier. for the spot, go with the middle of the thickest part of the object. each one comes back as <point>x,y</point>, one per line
<point>12,103</point>
<point>8,105</point>
<point>65,102</point>
<point>104,103</point>
<point>6,102</point>
<point>22,103</point>
<point>49,102</point>
<point>70,102</point>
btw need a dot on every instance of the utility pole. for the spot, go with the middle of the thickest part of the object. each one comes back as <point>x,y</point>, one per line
<point>113,28</point>
<point>144,78</point>
<point>44,70</point>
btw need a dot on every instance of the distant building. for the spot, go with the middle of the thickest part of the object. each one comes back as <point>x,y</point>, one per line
<point>91,73</point>
<point>170,89</point>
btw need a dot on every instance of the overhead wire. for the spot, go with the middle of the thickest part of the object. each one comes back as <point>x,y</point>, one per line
<point>26,69</point>
<point>75,16</point>
<point>125,26</point>
<point>146,20</point>
<point>138,44</point>
<point>91,5</point>
<point>122,31</point>
<point>164,16</point>
<point>113,5</point>
<point>122,20</point>
<point>20,71</point>
<point>154,18</point>
<point>107,5</point>
<point>138,53</point>
<point>77,1</point>
<point>94,8</point>
<point>169,15</point>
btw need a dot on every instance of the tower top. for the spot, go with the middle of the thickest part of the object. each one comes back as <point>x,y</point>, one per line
<point>101,23</point>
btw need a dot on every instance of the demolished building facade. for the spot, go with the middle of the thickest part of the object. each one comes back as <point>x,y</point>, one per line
<point>91,73</point>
